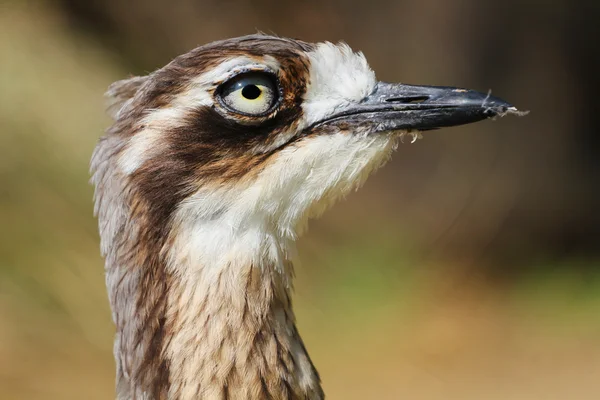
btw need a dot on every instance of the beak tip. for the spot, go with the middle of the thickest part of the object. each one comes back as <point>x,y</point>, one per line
<point>495,106</point>
<point>501,109</point>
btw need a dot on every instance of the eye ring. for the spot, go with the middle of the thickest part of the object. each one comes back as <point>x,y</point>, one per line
<point>252,93</point>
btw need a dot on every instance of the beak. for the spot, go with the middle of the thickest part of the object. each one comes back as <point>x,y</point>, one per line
<point>393,107</point>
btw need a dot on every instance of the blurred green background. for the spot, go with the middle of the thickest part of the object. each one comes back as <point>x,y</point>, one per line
<point>468,268</point>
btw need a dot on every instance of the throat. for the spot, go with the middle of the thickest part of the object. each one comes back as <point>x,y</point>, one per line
<point>232,335</point>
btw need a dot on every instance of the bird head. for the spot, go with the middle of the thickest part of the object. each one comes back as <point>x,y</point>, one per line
<point>212,167</point>
<point>266,130</point>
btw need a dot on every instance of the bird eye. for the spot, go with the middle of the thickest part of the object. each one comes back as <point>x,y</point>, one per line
<point>253,93</point>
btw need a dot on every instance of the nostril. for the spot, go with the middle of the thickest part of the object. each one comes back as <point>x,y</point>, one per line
<point>408,99</point>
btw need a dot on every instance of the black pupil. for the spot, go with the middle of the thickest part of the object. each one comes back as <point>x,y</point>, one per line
<point>251,92</point>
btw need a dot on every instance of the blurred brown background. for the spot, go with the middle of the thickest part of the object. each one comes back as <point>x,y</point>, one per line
<point>468,268</point>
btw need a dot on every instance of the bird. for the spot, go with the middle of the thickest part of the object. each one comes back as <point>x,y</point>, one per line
<point>205,180</point>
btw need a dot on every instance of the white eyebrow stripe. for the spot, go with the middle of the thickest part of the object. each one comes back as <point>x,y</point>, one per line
<point>233,66</point>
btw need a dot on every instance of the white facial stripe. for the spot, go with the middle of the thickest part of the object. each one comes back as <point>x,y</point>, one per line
<point>146,143</point>
<point>338,78</point>
<point>232,67</point>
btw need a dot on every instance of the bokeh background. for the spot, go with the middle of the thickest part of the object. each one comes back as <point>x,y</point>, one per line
<point>468,268</point>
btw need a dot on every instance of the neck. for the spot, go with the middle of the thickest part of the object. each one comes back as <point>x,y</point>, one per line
<point>214,326</point>
<point>234,336</point>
